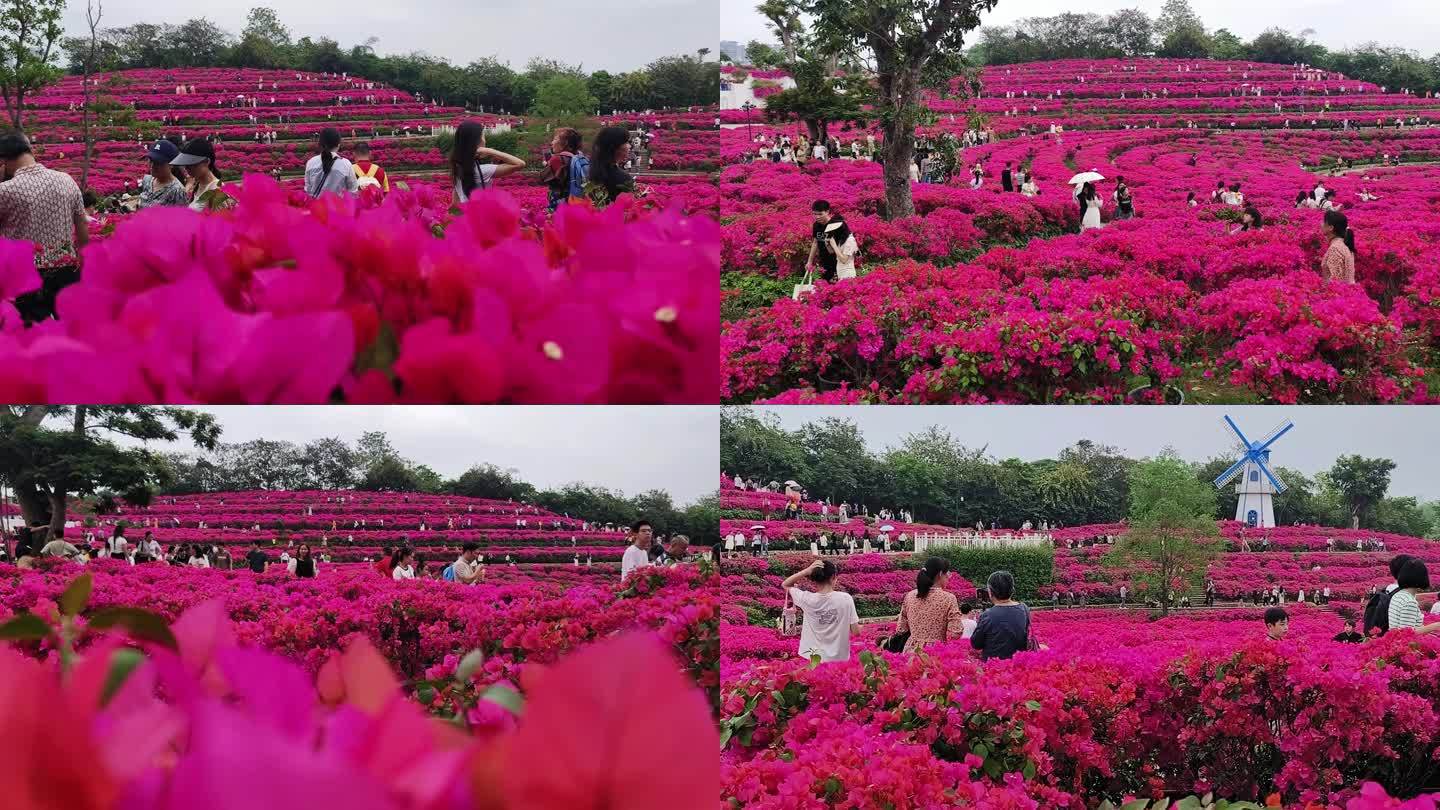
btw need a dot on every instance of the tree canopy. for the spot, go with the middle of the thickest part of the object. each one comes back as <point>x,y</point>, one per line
<point>265,42</point>
<point>942,481</point>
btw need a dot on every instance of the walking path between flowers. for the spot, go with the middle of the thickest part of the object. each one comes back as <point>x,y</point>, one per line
<point>1363,167</point>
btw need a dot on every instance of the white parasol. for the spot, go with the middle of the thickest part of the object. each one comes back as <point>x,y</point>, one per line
<point>887,528</point>
<point>1091,176</point>
<point>791,484</point>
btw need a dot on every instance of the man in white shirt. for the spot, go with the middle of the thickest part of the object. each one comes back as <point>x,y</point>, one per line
<point>468,569</point>
<point>637,554</point>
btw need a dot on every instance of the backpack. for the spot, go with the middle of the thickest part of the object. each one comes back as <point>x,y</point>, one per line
<point>449,573</point>
<point>579,173</point>
<point>367,179</point>
<point>560,183</point>
<point>1377,613</point>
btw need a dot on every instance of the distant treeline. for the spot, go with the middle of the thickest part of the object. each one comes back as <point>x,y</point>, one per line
<point>673,81</point>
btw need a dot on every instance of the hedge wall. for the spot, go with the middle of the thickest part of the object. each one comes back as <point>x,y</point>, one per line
<point>1032,567</point>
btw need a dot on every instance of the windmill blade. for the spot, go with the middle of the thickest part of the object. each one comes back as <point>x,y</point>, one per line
<point>1236,428</point>
<point>1274,480</point>
<point>1279,430</point>
<point>1229,475</point>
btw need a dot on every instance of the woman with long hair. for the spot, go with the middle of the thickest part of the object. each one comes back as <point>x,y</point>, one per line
<point>1090,205</point>
<point>1338,264</point>
<point>303,565</point>
<point>930,613</point>
<point>1250,220</point>
<point>403,567</point>
<point>203,190</point>
<point>608,180</point>
<point>327,171</point>
<point>467,173</point>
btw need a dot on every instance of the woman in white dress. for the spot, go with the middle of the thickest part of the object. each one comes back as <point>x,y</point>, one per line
<point>1090,201</point>
<point>730,545</point>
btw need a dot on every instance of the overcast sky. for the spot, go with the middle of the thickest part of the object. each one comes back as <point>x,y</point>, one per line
<point>1409,436</point>
<point>1412,24</point>
<point>617,35</point>
<point>631,449</point>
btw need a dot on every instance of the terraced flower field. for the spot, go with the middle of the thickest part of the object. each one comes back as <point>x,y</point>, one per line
<point>987,296</point>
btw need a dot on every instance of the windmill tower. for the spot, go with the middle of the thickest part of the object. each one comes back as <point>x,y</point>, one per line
<point>1256,484</point>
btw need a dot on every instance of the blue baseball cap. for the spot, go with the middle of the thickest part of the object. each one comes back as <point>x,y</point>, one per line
<point>163,151</point>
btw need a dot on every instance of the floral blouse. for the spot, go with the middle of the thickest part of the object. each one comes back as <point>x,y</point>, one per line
<point>1339,262</point>
<point>934,618</point>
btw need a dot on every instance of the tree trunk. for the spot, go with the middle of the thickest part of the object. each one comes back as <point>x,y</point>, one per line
<point>899,133</point>
<point>34,506</point>
<point>85,124</point>
<point>57,514</point>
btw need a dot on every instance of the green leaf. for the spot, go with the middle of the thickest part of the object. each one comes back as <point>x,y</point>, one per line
<point>425,694</point>
<point>814,660</point>
<point>76,595</point>
<point>1163,804</point>
<point>726,732</point>
<point>1029,770</point>
<point>122,662</point>
<point>25,627</point>
<point>1033,705</point>
<point>1189,803</point>
<point>468,665</point>
<point>1138,804</point>
<point>506,697</point>
<point>140,624</point>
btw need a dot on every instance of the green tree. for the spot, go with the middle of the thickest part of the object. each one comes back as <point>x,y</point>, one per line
<point>47,466</point>
<point>915,44</point>
<point>264,42</point>
<point>561,96</point>
<point>390,474</point>
<point>1362,484</point>
<point>1225,45</point>
<point>602,88</point>
<point>819,97</point>
<point>1172,537</point>
<point>29,33</point>
<point>763,56</point>
<point>1131,32</point>
<point>1182,34</point>
<point>1278,46</point>
<point>373,447</point>
<point>1402,516</point>
<point>329,464</point>
<point>783,18</point>
<point>753,444</point>
<point>490,481</point>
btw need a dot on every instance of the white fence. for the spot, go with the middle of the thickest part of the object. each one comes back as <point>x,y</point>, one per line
<point>925,542</point>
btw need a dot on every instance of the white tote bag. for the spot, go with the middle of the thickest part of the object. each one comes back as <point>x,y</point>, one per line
<point>806,285</point>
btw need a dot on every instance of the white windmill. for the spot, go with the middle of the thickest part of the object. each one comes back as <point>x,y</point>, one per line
<point>1257,486</point>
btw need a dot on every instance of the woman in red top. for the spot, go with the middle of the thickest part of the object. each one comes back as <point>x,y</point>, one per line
<point>385,564</point>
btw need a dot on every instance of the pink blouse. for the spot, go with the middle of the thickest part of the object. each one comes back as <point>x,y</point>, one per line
<point>934,618</point>
<point>1339,262</point>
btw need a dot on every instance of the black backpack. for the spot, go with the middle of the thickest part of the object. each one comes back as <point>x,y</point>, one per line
<point>1377,612</point>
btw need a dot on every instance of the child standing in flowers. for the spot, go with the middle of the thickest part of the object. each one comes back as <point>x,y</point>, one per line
<point>829,615</point>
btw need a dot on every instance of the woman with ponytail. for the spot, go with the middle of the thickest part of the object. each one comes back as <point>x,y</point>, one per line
<point>327,171</point>
<point>930,613</point>
<point>1339,261</point>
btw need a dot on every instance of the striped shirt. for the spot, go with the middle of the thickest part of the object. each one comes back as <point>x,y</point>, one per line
<point>1404,610</point>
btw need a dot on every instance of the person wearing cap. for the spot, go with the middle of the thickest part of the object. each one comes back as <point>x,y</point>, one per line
<point>161,187</point>
<point>198,158</point>
<point>43,207</point>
